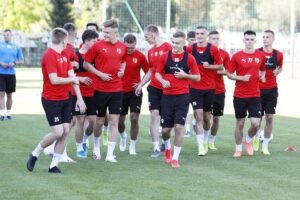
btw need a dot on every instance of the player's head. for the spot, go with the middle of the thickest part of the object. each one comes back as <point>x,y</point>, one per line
<point>214,37</point>
<point>249,39</point>
<point>110,30</point>
<point>130,42</point>
<point>7,34</point>
<point>89,37</point>
<point>72,30</point>
<point>92,26</point>
<point>59,37</point>
<point>151,33</point>
<point>191,37</point>
<point>178,41</point>
<point>268,37</point>
<point>201,34</point>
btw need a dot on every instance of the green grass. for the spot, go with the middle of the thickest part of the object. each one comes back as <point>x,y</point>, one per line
<point>215,176</point>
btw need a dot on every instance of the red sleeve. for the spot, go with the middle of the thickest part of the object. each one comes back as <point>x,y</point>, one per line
<point>231,69</point>
<point>189,49</point>
<point>226,61</point>
<point>263,64</point>
<point>193,65</point>
<point>216,55</point>
<point>161,64</point>
<point>279,59</point>
<point>51,64</point>
<point>144,63</point>
<point>91,54</point>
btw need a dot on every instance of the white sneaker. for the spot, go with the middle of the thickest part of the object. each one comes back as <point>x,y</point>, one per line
<point>96,154</point>
<point>123,143</point>
<point>67,159</point>
<point>132,151</point>
<point>111,159</point>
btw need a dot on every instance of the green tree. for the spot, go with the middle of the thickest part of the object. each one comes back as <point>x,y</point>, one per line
<point>61,12</point>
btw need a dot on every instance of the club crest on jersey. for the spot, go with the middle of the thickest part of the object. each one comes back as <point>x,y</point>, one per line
<point>256,60</point>
<point>134,60</point>
<point>119,50</point>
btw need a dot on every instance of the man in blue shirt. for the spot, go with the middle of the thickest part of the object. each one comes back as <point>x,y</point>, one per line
<point>10,56</point>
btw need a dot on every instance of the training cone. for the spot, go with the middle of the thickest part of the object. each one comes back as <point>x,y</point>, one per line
<point>290,149</point>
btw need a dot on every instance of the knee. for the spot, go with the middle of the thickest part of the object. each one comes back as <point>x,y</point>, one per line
<point>269,118</point>
<point>216,120</point>
<point>255,124</point>
<point>58,133</point>
<point>134,118</point>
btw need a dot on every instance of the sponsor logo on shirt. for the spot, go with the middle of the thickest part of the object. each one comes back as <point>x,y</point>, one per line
<point>104,49</point>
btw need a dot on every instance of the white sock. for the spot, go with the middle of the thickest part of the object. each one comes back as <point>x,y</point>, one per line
<point>200,139</point>
<point>211,139</point>
<point>105,128</point>
<point>176,153</point>
<point>79,147</point>
<point>85,138</point>
<point>265,143</point>
<point>55,160</point>
<point>8,112</point>
<point>238,147</point>
<point>2,112</point>
<point>37,151</point>
<point>167,144</point>
<point>110,148</point>
<point>156,145</point>
<point>132,144</point>
<point>96,142</point>
<point>248,139</point>
<point>206,134</point>
<point>123,135</point>
<point>65,152</point>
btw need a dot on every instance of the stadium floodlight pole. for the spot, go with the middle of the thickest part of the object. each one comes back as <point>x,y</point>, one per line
<point>168,18</point>
<point>133,16</point>
<point>292,34</point>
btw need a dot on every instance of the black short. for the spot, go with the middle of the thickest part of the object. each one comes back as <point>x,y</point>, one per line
<point>202,99</point>
<point>242,105</point>
<point>218,105</point>
<point>8,83</point>
<point>174,109</point>
<point>154,98</point>
<point>58,111</point>
<point>132,101</point>
<point>90,106</point>
<point>110,100</point>
<point>269,100</point>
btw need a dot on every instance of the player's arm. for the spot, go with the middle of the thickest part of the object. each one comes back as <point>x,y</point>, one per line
<point>232,76</point>
<point>145,80</point>
<point>19,60</point>
<point>194,74</point>
<point>164,83</point>
<point>55,80</point>
<point>278,69</point>
<point>80,105</point>
<point>212,67</point>
<point>89,67</point>
<point>122,70</point>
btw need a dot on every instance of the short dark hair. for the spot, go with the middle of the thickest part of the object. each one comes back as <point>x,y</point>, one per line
<point>112,23</point>
<point>152,29</point>
<point>201,27</point>
<point>214,32</point>
<point>88,35</point>
<point>249,32</point>
<point>191,34</point>
<point>130,38</point>
<point>70,27</point>
<point>93,24</point>
<point>179,34</point>
<point>58,35</point>
<point>269,31</point>
<point>7,30</point>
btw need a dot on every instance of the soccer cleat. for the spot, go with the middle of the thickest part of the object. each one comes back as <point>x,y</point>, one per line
<point>255,143</point>
<point>2,118</point>
<point>8,117</point>
<point>85,149</point>
<point>265,151</point>
<point>201,151</point>
<point>111,159</point>
<point>212,146</point>
<point>187,134</point>
<point>249,148</point>
<point>54,169</point>
<point>205,145</point>
<point>175,164</point>
<point>81,154</point>
<point>104,137</point>
<point>132,151</point>
<point>96,154</point>
<point>167,157</point>
<point>155,154</point>
<point>67,159</point>
<point>31,162</point>
<point>237,154</point>
<point>122,145</point>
